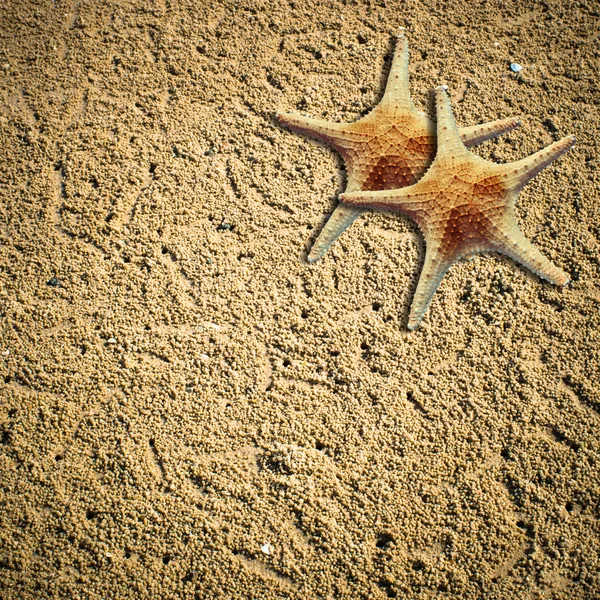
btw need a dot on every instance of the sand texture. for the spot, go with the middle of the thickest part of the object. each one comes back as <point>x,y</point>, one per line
<point>189,409</point>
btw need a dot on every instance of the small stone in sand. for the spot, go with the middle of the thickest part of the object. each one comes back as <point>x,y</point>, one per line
<point>266,549</point>
<point>515,67</point>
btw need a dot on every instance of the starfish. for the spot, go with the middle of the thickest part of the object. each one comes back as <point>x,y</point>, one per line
<point>389,148</point>
<point>464,205</point>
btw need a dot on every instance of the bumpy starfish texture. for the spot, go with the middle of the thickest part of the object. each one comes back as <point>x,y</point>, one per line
<point>389,148</point>
<point>463,205</point>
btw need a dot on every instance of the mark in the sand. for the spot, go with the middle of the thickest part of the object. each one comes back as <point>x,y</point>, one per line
<point>264,380</point>
<point>410,396</point>
<point>173,264</point>
<point>506,568</point>
<point>79,108</point>
<point>208,463</point>
<point>85,420</point>
<point>561,438</point>
<point>20,382</point>
<point>384,541</point>
<point>155,359</point>
<point>233,180</point>
<point>387,587</point>
<point>72,15</point>
<point>30,116</point>
<point>155,462</point>
<point>264,570</point>
<point>524,524</point>
<point>581,393</point>
<point>61,213</point>
<point>131,203</point>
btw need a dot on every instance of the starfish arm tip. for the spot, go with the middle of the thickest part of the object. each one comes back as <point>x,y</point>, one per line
<point>519,173</point>
<point>476,134</point>
<point>342,217</point>
<point>282,117</point>
<point>397,92</point>
<point>554,275</point>
<point>413,323</point>
<point>506,125</point>
<point>289,118</point>
<point>521,250</point>
<point>512,123</point>
<point>560,278</point>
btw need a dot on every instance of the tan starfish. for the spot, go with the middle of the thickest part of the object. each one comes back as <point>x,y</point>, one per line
<point>389,148</point>
<point>465,204</point>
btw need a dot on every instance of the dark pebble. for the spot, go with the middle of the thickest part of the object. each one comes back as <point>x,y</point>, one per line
<point>224,227</point>
<point>550,126</point>
<point>54,282</point>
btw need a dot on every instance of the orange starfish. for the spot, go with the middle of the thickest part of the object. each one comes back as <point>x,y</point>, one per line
<point>465,204</point>
<point>389,148</point>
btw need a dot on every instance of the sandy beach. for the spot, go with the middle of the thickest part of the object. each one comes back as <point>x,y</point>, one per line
<point>189,409</point>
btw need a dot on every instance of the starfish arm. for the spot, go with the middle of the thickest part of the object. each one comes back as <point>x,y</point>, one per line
<point>517,174</point>
<point>471,136</point>
<point>449,140</point>
<point>342,217</point>
<point>397,91</point>
<point>400,199</point>
<point>434,269</point>
<point>514,244</point>
<point>332,133</point>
